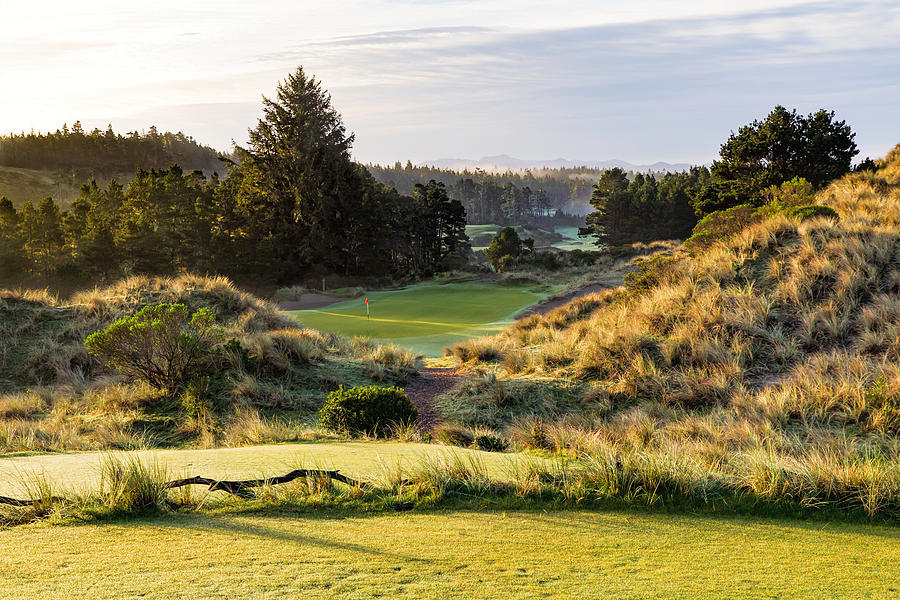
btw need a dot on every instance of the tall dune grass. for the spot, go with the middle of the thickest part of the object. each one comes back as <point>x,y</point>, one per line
<point>770,362</point>
<point>55,396</point>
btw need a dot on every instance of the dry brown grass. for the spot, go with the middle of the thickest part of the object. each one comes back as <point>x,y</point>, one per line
<point>780,343</point>
<point>55,396</point>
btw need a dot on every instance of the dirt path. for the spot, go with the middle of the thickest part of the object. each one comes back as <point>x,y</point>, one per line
<point>557,301</point>
<point>431,383</point>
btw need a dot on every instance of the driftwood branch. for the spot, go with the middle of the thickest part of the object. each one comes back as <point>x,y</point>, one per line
<point>237,488</point>
<point>15,502</point>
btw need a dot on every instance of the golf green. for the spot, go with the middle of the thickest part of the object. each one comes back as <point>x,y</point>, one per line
<point>427,317</point>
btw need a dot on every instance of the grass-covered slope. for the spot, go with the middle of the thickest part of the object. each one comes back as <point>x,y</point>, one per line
<point>23,185</point>
<point>772,360</point>
<point>54,395</point>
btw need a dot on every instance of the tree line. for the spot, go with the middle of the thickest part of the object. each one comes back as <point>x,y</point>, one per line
<point>644,208</point>
<point>784,147</point>
<point>102,153</point>
<point>517,198</point>
<point>293,205</point>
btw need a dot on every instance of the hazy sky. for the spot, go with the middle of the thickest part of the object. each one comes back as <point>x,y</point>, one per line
<point>640,80</point>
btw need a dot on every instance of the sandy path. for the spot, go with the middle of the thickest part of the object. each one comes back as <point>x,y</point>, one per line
<point>431,383</point>
<point>557,301</point>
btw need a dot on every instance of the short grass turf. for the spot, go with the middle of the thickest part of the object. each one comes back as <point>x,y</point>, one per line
<point>428,317</point>
<point>571,241</point>
<point>80,471</point>
<point>451,554</point>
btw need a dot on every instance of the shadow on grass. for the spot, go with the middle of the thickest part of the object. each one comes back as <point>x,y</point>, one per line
<point>233,526</point>
<point>587,518</point>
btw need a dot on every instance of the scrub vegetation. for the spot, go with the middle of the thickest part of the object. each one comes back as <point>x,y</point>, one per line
<point>766,363</point>
<point>262,380</point>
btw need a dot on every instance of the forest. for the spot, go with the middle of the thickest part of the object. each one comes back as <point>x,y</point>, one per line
<point>293,205</point>
<point>546,196</point>
<point>99,153</point>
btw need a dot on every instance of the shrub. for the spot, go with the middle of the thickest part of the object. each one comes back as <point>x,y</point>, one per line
<point>164,345</point>
<point>792,198</point>
<point>505,249</point>
<point>366,410</point>
<point>790,194</point>
<point>491,442</point>
<point>721,225</point>
<point>650,273</point>
<point>811,211</point>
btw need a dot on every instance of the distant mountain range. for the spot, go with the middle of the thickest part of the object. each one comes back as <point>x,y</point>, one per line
<point>504,162</point>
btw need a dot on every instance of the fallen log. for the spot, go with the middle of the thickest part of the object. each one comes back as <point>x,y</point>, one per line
<point>239,488</point>
<point>236,488</point>
<point>15,502</point>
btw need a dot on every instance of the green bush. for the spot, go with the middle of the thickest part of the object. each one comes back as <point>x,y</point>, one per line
<point>650,272</point>
<point>491,442</point>
<point>721,225</point>
<point>366,410</point>
<point>811,211</point>
<point>163,345</point>
<point>792,199</point>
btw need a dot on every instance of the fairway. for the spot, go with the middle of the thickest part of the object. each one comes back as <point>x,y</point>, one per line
<point>481,235</point>
<point>427,317</point>
<point>80,470</point>
<point>571,241</point>
<point>451,554</point>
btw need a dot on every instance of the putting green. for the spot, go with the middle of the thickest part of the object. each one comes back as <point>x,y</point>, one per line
<point>427,317</point>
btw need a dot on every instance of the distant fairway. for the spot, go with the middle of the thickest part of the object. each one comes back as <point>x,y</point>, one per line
<point>571,240</point>
<point>428,317</point>
<point>481,235</point>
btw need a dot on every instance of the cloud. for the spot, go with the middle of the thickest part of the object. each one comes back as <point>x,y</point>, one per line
<point>644,80</point>
<point>662,89</point>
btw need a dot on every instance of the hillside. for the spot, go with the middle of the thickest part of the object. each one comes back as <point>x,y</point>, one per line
<point>32,185</point>
<point>56,396</point>
<point>767,364</point>
<point>34,166</point>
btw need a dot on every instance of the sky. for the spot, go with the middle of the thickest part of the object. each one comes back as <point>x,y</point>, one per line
<point>637,80</point>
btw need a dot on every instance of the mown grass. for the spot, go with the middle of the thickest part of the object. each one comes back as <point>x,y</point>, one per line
<point>425,317</point>
<point>451,554</point>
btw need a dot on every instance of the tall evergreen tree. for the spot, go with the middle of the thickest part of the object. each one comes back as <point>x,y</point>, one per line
<point>302,178</point>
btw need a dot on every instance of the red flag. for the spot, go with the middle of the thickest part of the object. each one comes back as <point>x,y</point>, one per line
<point>367,300</point>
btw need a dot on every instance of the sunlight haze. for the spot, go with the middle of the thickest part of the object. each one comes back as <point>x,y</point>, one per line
<point>641,81</point>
